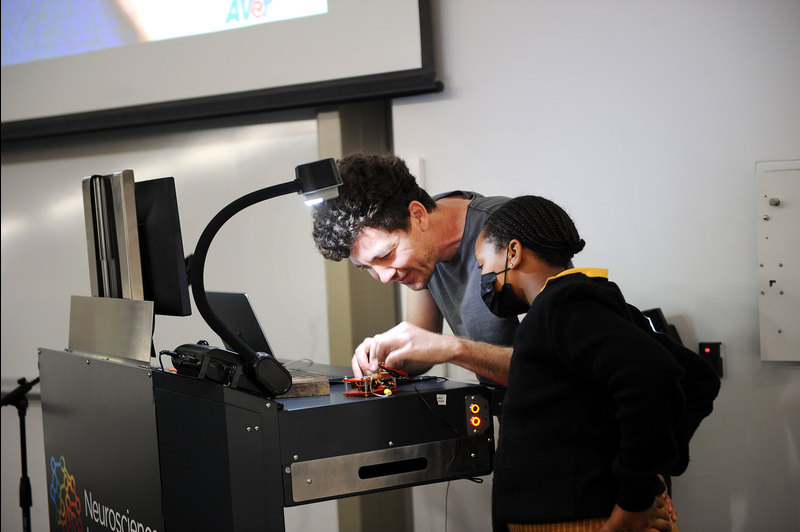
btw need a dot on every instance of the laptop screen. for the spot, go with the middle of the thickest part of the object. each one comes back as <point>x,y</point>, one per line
<point>235,310</point>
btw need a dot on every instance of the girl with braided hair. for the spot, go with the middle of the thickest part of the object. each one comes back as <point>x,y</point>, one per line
<point>595,411</point>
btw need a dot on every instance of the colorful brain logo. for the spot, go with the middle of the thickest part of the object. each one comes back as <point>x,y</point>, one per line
<point>65,496</point>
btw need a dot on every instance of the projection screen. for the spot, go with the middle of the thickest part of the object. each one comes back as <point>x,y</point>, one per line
<point>132,62</point>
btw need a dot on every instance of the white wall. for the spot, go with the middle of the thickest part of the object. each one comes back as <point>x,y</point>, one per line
<point>644,120</point>
<point>265,251</point>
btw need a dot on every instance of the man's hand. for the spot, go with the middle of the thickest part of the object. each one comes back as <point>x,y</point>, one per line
<point>404,346</point>
<point>415,350</point>
<point>655,518</point>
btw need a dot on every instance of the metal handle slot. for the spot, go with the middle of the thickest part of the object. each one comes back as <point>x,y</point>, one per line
<point>393,468</point>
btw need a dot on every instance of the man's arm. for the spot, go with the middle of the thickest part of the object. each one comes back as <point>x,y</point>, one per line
<point>421,310</point>
<point>417,344</point>
<point>415,350</point>
<point>491,361</point>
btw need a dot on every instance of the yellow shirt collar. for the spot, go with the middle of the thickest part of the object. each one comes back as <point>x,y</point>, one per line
<point>588,272</point>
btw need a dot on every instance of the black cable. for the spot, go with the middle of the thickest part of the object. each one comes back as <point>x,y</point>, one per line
<point>446,500</point>
<point>161,356</point>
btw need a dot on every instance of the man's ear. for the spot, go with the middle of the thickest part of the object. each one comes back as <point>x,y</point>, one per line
<point>514,253</point>
<point>419,213</point>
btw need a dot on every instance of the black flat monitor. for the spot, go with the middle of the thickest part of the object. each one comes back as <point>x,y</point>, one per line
<point>134,241</point>
<point>164,278</point>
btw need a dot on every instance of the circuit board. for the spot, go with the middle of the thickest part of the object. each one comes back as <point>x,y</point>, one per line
<point>379,383</point>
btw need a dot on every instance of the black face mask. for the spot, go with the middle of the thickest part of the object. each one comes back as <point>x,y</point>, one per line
<point>504,303</point>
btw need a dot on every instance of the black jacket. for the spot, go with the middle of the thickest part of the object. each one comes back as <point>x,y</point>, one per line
<point>597,405</point>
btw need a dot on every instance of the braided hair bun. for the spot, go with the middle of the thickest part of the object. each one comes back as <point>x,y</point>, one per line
<point>540,225</point>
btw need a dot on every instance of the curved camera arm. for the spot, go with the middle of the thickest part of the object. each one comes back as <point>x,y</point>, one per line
<point>265,370</point>
<point>318,181</point>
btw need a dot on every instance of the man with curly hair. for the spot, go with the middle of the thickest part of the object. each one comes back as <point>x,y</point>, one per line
<point>389,226</point>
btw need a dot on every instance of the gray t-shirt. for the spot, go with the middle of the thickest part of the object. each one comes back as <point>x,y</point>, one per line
<point>455,285</point>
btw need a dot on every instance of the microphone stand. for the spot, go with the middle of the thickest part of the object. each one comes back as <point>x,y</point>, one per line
<point>18,397</point>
